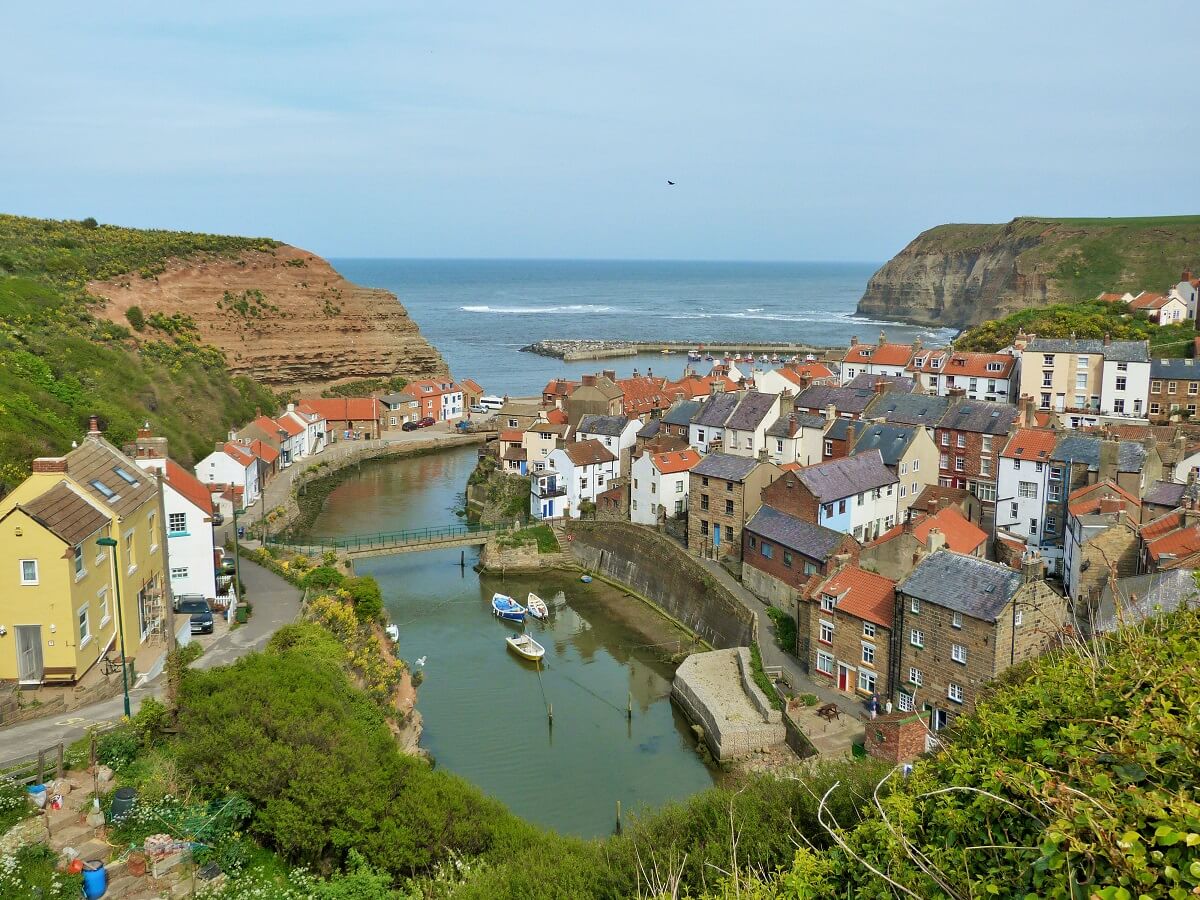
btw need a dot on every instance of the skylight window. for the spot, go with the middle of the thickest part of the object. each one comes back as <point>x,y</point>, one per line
<point>125,476</point>
<point>103,488</point>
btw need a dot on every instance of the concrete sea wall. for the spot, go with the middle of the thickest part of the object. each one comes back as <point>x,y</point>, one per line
<point>732,711</point>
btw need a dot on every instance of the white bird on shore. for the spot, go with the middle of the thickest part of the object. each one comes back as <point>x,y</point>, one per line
<point>421,661</point>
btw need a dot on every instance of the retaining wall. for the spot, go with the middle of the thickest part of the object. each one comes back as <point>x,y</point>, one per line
<point>660,570</point>
<point>709,691</point>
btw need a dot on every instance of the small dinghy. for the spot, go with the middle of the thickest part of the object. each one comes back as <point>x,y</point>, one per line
<point>507,608</point>
<point>537,607</point>
<point>586,579</point>
<point>525,646</point>
<point>392,632</point>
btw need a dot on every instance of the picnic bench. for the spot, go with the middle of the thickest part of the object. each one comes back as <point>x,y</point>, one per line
<point>829,712</point>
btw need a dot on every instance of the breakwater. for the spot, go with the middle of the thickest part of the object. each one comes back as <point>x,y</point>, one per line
<point>575,350</point>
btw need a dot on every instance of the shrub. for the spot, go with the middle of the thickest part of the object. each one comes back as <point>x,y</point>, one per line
<point>785,628</point>
<point>365,595</point>
<point>322,577</point>
<point>189,653</point>
<point>136,318</point>
<point>118,749</point>
<point>149,721</point>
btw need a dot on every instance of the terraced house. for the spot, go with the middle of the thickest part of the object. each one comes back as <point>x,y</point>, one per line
<point>1174,389</point>
<point>724,491</point>
<point>1086,381</point>
<point>58,594</point>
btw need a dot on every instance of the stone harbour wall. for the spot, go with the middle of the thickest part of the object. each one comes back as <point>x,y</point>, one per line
<point>709,691</point>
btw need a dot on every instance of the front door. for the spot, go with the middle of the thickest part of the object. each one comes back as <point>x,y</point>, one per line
<point>843,677</point>
<point>716,537</point>
<point>29,654</point>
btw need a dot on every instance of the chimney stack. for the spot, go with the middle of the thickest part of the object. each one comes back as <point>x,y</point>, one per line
<point>94,426</point>
<point>909,523</point>
<point>935,540</point>
<point>762,454</point>
<point>917,345</point>
<point>610,374</point>
<point>851,431</point>
<point>882,338</point>
<point>854,341</point>
<point>880,385</point>
<point>55,464</point>
<point>589,380</point>
<point>1032,567</point>
<point>830,413</point>
<point>1107,339</point>
<point>1110,450</point>
<point>1109,505</point>
<point>1028,411</point>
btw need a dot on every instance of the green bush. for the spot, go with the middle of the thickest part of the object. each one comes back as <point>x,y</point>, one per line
<point>136,318</point>
<point>118,749</point>
<point>761,679</point>
<point>189,653</point>
<point>366,597</point>
<point>149,721</point>
<point>322,577</point>
<point>785,629</point>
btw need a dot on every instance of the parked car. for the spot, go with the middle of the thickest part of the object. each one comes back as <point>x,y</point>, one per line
<point>410,426</point>
<point>218,519</point>
<point>197,607</point>
<point>479,409</point>
<point>426,422</point>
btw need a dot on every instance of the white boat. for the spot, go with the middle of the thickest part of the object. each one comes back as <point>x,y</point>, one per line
<point>764,358</point>
<point>525,646</point>
<point>537,606</point>
<point>507,608</point>
<point>693,356</point>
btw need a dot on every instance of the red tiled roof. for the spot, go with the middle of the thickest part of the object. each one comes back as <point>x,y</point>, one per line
<point>962,535</point>
<point>669,463</point>
<point>268,426</point>
<point>1162,525</point>
<point>863,594</point>
<point>1182,542</point>
<point>188,486</point>
<point>812,371</point>
<point>238,453</point>
<point>881,355</point>
<point>1148,300</point>
<point>1109,297</point>
<point>344,409</point>
<point>695,386</point>
<point>560,387</point>
<point>514,435</point>
<point>643,395</point>
<point>472,385</point>
<point>1029,443</point>
<point>291,426</point>
<point>1085,501</point>
<point>791,467</point>
<point>265,452</point>
<point>556,416</point>
<point>973,365</point>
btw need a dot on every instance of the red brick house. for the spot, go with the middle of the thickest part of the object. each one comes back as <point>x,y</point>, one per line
<point>969,438</point>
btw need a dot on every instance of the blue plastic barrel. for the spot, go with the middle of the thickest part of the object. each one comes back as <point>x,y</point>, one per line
<point>95,879</point>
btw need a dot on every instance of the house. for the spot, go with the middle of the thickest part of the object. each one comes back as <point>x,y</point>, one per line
<point>437,399</point>
<point>539,440</point>
<point>907,450</point>
<point>1188,290</point>
<point>233,464</point>
<point>707,429</point>
<point>514,414</point>
<point>472,393</point>
<point>513,456</point>
<point>980,376</point>
<point>313,424</point>
<point>855,495</point>
<point>796,439</point>
<point>795,378</point>
<point>1161,309</point>
<point>1171,541</point>
<point>876,359</point>
<point>1086,380</point>
<point>1174,389</point>
<point>616,433</point>
<point>58,593</point>
<point>400,408</point>
<point>556,392</point>
<point>901,384</point>
<point>959,622</point>
<point>578,472</point>
<point>678,419</point>
<point>347,418</point>
<point>724,491</point>
<point>597,395</point>
<point>745,429</point>
<point>909,409</point>
<point>275,441</point>
<point>659,486</point>
<point>1162,497</point>
<point>1100,540</point>
<point>781,554</point>
<point>896,552</point>
<point>969,439</point>
<point>845,402</point>
<point>850,633</point>
<point>644,396</point>
<point>293,440</point>
<point>936,497</point>
<point>696,387</point>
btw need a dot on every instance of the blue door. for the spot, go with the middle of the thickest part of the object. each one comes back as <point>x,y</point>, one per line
<point>716,535</point>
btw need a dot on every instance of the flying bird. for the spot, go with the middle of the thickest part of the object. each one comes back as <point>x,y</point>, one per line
<point>669,181</point>
<point>421,661</point>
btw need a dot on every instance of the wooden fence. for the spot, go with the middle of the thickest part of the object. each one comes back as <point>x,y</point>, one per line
<point>34,768</point>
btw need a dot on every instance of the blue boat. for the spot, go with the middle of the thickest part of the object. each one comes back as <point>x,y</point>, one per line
<point>507,608</point>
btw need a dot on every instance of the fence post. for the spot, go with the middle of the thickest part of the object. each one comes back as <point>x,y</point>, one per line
<point>59,774</point>
<point>41,764</point>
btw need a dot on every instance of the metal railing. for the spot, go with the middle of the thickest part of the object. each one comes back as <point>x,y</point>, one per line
<point>384,539</point>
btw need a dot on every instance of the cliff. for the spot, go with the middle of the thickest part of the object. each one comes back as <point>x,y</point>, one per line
<point>955,276</point>
<point>280,315</point>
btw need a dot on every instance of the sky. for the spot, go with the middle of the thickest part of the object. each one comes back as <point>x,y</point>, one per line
<point>793,130</point>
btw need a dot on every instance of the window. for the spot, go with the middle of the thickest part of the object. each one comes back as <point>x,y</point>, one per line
<point>914,676</point>
<point>956,620</point>
<point>903,492</point>
<point>1121,382</point>
<point>779,446</point>
<point>1048,360</point>
<point>1156,387</point>
<point>916,465</point>
<point>704,527</point>
<point>810,569</point>
<point>1191,409</point>
<point>1193,388</point>
<point>633,504</point>
<point>729,485</point>
<point>995,367</point>
<point>1155,409</point>
<point>653,488</point>
<point>679,487</point>
<point>961,441</point>
<point>179,572</point>
<point>105,491</point>
<point>729,507</point>
<point>1047,379</point>
<point>842,506</point>
<point>1013,510</point>
<point>986,444</point>
<point>1080,401</point>
<point>868,653</point>
<point>78,555</point>
<point>826,632</point>
<point>1033,524</point>
<point>944,461</point>
<point>824,662</point>
<point>984,490</point>
<point>974,385</point>
<point>583,484</point>
<point>1081,362</point>
<point>1122,367</point>
<point>1051,524</point>
<point>829,448</point>
<point>1171,387</point>
<point>827,510</point>
<point>1017,618</point>
<point>704,480</point>
<point>958,653</point>
<point>827,602</point>
<point>1119,406</point>
<point>704,501</point>
<point>1027,489</point>
<point>102,604</point>
<point>125,476</point>
<point>767,551</point>
<point>866,682</point>
<point>960,464</point>
<point>1045,401</point>
<point>985,466</point>
<point>1081,381</point>
<point>917,638</point>
<point>1037,466</point>
<point>753,542</point>
<point>787,559</point>
<point>955,692</point>
<point>903,468</point>
<point>905,702</point>
<point>85,626</point>
<point>914,604</point>
<point>945,439</point>
<point>177,523</point>
<point>29,571</point>
<point>869,629</point>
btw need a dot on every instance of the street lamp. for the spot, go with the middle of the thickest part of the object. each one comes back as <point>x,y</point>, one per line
<point>111,544</point>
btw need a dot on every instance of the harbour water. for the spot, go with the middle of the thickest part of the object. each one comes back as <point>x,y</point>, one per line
<point>479,313</point>
<point>484,709</point>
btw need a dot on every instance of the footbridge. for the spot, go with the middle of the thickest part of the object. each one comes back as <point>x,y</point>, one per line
<point>386,543</point>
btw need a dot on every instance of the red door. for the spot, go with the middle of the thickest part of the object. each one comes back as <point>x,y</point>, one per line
<point>843,677</point>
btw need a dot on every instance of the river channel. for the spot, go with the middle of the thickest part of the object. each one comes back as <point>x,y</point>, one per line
<point>484,709</point>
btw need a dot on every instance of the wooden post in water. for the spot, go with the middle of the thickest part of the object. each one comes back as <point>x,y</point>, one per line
<point>462,559</point>
<point>618,817</point>
<point>550,714</point>
<point>629,707</point>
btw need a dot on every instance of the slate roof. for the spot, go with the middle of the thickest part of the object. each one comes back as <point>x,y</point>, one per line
<point>682,412</point>
<point>890,440</point>
<point>814,541</point>
<point>1085,448</point>
<point>717,409</point>
<point>980,416</point>
<point>789,424</point>
<point>1177,369</point>
<point>840,478</point>
<point>845,399</point>
<point>752,410</point>
<point>1165,493</point>
<point>974,587</point>
<point>650,429</point>
<point>900,383</point>
<point>910,409</point>
<point>1118,351</point>
<point>725,465</point>
<point>66,514</point>
<point>608,426</point>
<point>1143,596</point>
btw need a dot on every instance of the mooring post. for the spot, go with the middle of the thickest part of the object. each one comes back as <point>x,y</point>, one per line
<point>629,707</point>
<point>550,714</point>
<point>618,817</point>
<point>462,559</point>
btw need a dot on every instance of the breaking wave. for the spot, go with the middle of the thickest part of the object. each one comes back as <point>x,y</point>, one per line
<point>576,308</point>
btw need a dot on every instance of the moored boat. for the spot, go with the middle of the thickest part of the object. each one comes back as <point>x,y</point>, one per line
<point>537,606</point>
<point>507,608</point>
<point>586,579</point>
<point>525,646</point>
<point>693,356</point>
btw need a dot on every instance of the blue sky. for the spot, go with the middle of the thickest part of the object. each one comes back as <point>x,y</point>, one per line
<point>793,130</point>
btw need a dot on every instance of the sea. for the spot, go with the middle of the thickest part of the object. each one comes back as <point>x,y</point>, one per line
<point>479,313</point>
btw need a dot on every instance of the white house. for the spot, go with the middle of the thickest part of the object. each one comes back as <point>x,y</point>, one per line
<point>660,485</point>
<point>617,434</point>
<point>979,376</point>
<point>187,506</point>
<point>796,438</point>
<point>1125,379</point>
<point>232,463</point>
<point>579,471</point>
<point>313,424</point>
<point>1188,290</point>
<point>876,359</point>
<point>708,425</point>
<point>855,494</point>
<point>745,429</point>
<point>1023,487</point>
<point>1162,309</point>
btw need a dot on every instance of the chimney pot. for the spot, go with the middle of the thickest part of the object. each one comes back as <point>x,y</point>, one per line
<point>94,425</point>
<point>854,341</point>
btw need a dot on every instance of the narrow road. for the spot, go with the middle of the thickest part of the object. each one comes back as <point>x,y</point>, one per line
<point>276,603</point>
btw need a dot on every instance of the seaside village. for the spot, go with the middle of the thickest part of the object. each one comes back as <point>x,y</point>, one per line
<point>927,517</point>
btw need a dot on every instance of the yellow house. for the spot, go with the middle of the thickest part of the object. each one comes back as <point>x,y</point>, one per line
<point>58,613</point>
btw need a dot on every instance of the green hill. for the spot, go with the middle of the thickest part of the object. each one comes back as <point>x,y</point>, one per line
<point>59,363</point>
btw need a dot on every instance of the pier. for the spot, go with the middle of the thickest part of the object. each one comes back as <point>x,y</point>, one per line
<point>573,350</point>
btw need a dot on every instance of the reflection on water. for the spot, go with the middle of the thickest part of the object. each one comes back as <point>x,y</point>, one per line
<point>485,709</point>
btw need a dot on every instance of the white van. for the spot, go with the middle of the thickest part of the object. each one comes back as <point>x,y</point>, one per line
<point>491,402</point>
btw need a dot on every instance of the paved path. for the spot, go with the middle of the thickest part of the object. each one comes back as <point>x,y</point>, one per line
<point>276,602</point>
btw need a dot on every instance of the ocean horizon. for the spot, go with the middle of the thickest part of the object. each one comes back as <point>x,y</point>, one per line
<point>480,312</point>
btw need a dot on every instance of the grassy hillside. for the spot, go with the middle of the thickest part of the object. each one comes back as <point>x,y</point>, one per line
<point>59,363</point>
<point>1084,320</point>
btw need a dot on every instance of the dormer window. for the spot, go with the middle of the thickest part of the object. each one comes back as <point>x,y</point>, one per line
<point>995,367</point>
<point>936,362</point>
